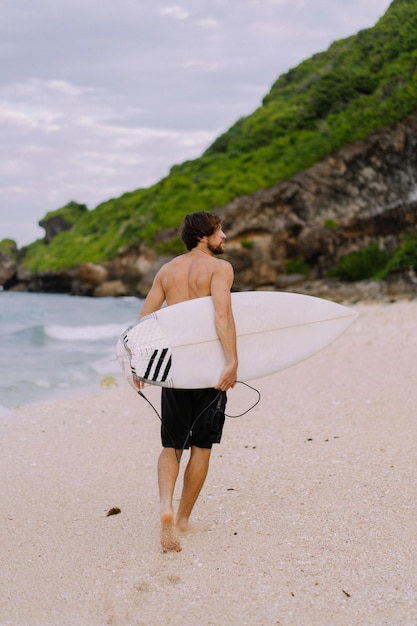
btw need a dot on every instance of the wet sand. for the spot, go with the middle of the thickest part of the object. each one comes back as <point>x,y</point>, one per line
<point>310,500</point>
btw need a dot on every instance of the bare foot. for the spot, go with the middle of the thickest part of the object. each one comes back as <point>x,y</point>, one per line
<point>169,537</point>
<point>184,527</point>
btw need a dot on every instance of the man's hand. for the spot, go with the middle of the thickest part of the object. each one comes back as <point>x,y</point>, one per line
<point>139,384</point>
<point>228,378</point>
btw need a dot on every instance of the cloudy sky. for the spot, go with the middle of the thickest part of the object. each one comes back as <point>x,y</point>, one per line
<point>99,97</point>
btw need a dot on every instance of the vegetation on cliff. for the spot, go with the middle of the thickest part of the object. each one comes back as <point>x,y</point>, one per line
<point>360,84</point>
<point>9,248</point>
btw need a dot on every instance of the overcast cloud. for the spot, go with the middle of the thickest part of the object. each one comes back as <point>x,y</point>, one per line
<point>99,97</point>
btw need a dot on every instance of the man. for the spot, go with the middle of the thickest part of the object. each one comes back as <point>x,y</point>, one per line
<point>195,274</point>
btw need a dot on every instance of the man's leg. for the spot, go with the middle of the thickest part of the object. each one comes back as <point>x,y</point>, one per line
<point>168,468</point>
<point>194,477</point>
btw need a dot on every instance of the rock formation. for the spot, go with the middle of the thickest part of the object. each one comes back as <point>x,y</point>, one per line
<point>61,220</point>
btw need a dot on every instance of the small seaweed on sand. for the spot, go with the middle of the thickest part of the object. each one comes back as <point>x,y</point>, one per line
<point>113,511</point>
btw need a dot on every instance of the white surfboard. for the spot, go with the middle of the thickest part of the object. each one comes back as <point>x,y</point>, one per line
<point>178,346</point>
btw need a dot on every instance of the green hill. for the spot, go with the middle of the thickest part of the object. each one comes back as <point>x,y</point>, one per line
<point>360,84</point>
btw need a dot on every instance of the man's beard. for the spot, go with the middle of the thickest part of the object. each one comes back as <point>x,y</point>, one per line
<point>216,250</point>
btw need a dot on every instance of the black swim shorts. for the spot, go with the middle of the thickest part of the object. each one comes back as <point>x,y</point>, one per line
<point>192,417</point>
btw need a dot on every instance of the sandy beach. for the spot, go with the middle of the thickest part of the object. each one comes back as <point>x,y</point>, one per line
<point>310,502</point>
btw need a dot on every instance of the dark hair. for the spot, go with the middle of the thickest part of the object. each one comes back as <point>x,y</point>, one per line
<point>197,225</point>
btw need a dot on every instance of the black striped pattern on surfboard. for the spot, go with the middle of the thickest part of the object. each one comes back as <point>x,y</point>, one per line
<point>159,366</point>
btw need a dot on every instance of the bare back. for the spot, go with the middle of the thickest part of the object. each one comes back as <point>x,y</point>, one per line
<point>190,276</point>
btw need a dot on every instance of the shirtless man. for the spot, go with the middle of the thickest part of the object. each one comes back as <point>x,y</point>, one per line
<point>194,274</point>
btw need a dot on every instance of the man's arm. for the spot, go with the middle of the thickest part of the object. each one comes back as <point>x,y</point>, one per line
<point>155,298</point>
<point>221,285</point>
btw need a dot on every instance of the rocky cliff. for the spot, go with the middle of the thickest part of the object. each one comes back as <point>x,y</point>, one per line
<point>366,192</point>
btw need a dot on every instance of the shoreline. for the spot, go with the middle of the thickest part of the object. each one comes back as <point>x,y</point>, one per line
<point>310,500</point>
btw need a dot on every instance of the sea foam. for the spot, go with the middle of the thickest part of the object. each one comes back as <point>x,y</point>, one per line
<point>84,333</point>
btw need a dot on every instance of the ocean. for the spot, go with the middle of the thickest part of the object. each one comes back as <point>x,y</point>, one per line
<point>54,345</point>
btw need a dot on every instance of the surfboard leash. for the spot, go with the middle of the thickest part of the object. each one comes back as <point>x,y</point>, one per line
<point>218,398</point>
<point>142,395</point>
<point>240,382</point>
